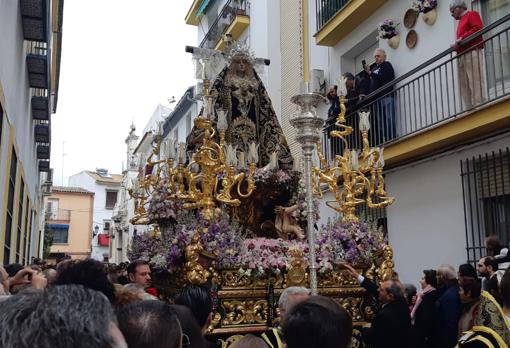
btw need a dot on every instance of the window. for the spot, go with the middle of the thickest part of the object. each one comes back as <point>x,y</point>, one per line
<point>486,189</point>
<point>52,209</point>
<point>59,232</point>
<point>111,199</point>
<point>10,206</point>
<point>20,221</point>
<point>106,226</point>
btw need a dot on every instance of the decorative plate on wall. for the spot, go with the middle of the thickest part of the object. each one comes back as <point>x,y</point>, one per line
<point>411,38</point>
<point>410,18</point>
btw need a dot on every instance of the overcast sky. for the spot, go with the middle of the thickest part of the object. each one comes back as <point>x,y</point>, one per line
<point>120,58</point>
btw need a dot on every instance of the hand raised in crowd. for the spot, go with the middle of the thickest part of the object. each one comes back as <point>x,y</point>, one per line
<point>350,270</point>
<point>28,276</point>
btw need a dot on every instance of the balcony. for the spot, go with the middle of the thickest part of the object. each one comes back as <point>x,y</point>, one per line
<point>337,18</point>
<point>44,166</point>
<point>233,19</point>
<point>58,215</point>
<point>42,133</point>
<point>38,65</point>
<point>43,152</point>
<point>426,111</point>
<point>40,104</point>
<point>35,19</point>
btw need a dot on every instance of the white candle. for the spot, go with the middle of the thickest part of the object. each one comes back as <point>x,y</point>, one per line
<point>253,155</point>
<point>364,121</point>
<point>222,120</point>
<point>182,153</point>
<point>380,163</point>
<point>161,128</point>
<point>354,160</point>
<point>242,160</point>
<point>342,88</point>
<point>170,144</point>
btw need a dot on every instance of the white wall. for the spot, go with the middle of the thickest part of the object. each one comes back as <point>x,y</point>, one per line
<point>426,223</point>
<point>87,182</point>
<point>17,111</point>
<point>431,40</point>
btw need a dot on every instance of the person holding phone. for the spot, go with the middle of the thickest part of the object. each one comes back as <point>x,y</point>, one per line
<point>383,110</point>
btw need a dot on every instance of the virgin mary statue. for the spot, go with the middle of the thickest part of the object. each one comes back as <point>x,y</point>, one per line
<point>250,114</point>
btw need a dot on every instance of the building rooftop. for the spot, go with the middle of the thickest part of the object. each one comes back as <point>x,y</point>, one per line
<point>114,179</point>
<point>70,189</point>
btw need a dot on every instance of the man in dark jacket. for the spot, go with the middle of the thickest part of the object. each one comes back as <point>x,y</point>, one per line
<point>383,110</point>
<point>391,327</point>
<point>448,306</point>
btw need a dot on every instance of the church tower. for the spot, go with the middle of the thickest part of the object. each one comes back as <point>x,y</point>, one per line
<point>131,142</point>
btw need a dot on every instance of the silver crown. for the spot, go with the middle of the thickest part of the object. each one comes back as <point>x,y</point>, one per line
<point>235,49</point>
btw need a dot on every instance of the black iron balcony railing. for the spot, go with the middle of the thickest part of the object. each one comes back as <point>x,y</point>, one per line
<point>326,9</point>
<point>230,11</point>
<point>435,91</point>
<point>38,64</point>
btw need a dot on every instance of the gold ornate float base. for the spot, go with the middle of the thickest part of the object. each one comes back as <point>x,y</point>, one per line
<point>246,304</point>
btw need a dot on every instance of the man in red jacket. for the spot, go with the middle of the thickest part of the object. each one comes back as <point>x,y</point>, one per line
<point>471,63</point>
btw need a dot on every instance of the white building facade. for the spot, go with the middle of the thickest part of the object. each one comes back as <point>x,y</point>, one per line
<point>447,163</point>
<point>29,75</point>
<point>106,188</point>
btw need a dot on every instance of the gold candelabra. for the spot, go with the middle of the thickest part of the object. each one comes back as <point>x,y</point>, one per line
<point>354,177</point>
<point>210,175</point>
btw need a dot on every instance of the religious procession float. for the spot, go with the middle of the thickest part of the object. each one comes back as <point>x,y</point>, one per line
<point>233,210</point>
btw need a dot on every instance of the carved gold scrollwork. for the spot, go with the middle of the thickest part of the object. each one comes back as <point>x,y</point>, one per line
<point>369,313</point>
<point>233,279</point>
<point>352,305</point>
<point>385,270</point>
<point>239,312</point>
<point>338,278</point>
<point>296,276</point>
<point>356,337</point>
<point>195,272</point>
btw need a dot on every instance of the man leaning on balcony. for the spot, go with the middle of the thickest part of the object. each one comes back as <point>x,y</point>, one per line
<point>383,109</point>
<point>470,55</point>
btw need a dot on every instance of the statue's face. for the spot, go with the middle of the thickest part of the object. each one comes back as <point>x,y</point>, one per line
<point>241,65</point>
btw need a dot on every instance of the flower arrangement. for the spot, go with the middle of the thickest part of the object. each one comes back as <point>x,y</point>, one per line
<point>222,238</point>
<point>259,256</point>
<point>425,6</point>
<point>277,178</point>
<point>388,29</point>
<point>160,207</point>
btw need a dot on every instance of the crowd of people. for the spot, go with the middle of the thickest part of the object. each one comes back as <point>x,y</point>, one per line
<point>86,303</point>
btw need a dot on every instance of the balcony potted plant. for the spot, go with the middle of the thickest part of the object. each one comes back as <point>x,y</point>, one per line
<point>388,31</point>
<point>428,8</point>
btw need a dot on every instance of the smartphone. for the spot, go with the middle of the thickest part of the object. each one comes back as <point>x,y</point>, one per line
<point>363,63</point>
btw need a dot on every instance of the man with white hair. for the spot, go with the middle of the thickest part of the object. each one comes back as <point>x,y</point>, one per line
<point>290,297</point>
<point>383,113</point>
<point>471,65</point>
<point>448,306</point>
